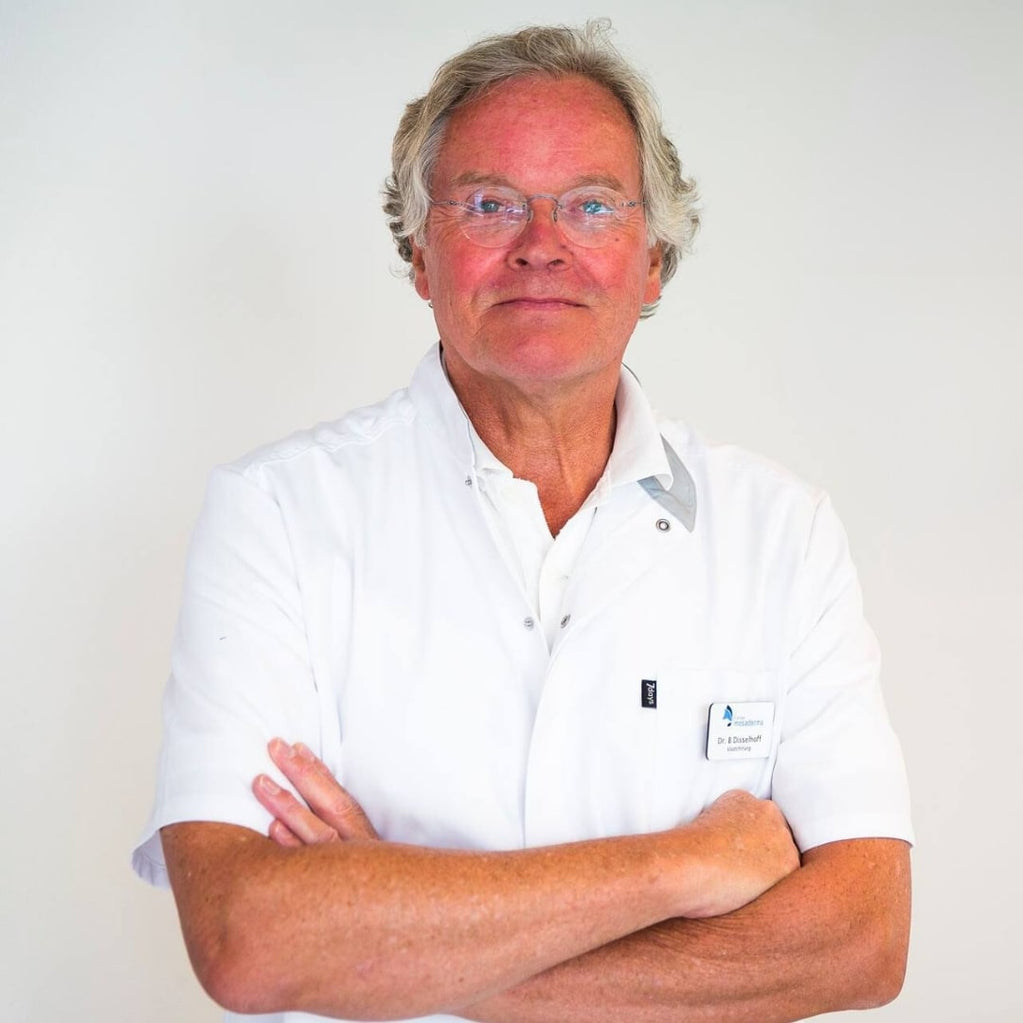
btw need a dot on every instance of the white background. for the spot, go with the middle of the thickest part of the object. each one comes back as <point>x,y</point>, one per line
<point>192,262</point>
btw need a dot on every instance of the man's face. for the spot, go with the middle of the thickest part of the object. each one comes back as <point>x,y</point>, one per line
<point>540,309</point>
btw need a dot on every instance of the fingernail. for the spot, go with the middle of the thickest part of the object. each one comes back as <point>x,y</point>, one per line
<point>282,748</point>
<point>268,785</point>
<point>303,752</point>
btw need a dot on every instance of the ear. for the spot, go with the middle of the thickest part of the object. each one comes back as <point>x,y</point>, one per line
<point>420,277</point>
<point>652,292</point>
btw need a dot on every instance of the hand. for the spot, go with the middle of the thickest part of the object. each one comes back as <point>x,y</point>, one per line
<point>329,813</point>
<point>740,846</point>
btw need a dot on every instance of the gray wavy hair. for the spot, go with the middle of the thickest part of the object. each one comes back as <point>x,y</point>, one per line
<point>672,217</point>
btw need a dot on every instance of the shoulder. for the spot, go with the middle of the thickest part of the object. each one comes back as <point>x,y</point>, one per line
<point>751,510</point>
<point>345,439</point>
<point>742,478</point>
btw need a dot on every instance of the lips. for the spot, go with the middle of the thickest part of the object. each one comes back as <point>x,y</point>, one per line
<point>539,302</point>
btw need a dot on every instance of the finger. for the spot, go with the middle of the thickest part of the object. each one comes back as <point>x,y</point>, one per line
<point>295,816</point>
<point>284,836</point>
<point>320,789</point>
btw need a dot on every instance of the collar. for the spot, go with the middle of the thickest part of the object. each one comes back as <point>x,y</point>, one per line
<point>640,454</point>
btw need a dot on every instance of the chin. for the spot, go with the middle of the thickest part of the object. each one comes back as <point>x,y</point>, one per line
<point>549,360</point>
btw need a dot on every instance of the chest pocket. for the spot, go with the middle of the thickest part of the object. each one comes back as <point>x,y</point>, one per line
<point>681,780</point>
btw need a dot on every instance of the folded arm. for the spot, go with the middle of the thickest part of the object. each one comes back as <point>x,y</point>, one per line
<point>831,935</point>
<point>331,920</point>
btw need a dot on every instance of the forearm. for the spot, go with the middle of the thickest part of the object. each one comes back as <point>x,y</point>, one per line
<point>380,930</point>
<point>831,935</point>
<point>329,919</point>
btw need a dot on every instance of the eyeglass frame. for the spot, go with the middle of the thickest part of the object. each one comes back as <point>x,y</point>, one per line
<point>629,206</point>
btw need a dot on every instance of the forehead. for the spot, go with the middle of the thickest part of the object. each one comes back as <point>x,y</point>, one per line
<point>540,133</point>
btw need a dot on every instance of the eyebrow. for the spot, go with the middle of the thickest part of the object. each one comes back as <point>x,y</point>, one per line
<point>479,178</point>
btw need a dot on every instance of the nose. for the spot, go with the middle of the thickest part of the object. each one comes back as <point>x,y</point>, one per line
<point>541,243</point>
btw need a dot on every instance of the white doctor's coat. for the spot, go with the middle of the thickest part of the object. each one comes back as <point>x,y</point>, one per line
<point>344,589</point>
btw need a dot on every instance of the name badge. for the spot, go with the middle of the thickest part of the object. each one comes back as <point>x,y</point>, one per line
<point>739,731</point>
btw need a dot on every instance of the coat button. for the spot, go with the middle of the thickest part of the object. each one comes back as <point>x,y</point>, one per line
<point>529,623</point>
<point>565,620</point>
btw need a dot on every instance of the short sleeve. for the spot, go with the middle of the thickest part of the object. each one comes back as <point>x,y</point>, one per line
<point>240,669</point>
<point>839,772</point>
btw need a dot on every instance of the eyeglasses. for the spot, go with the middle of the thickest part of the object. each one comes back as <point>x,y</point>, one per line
<point>494,217</point>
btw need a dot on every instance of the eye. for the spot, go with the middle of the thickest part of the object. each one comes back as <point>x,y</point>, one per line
<point>592,204</point>
<point>494,203</point>
<point>594,207</point>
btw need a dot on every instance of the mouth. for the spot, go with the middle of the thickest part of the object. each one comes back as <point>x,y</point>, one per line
<point>540,303</point>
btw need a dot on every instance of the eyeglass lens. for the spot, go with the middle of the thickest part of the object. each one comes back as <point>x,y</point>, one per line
<point>494,217</point>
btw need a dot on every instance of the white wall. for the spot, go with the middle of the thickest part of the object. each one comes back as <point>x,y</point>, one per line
<point>192,262</point>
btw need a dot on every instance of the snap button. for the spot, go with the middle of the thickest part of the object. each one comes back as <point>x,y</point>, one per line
<point>663,525</point>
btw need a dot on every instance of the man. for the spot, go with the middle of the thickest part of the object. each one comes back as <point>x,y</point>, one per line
<point>578,673</point>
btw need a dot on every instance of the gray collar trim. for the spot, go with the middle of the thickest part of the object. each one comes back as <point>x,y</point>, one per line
<point>680,498</point>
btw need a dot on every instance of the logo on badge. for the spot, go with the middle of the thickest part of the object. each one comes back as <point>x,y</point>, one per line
<point>739,730</point>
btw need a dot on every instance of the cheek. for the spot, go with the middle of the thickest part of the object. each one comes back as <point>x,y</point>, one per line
<point>457,278</point>
<point>631,277</point>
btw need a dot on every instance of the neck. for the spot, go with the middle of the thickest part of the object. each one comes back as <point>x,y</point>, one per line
<point>557,436</point>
